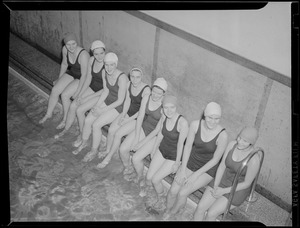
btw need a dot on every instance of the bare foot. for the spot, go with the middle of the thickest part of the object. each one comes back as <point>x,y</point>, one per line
<point>61,125</point>
<point>104,163</point>
<point>44,119</point>
<point>90,155</point>
<point>78,141</point>
<point>83,145</point>
<point>60,134</point>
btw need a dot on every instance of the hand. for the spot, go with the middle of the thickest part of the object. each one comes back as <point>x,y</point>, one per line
<point>75,95</point>
<point>192,179</point>
<point>55,81</point>
<point>180,176</point>
<point>78,100</point>
<point>121,120</point>
<point>96,111</point>
<point>217,192</point>
<point>175,167</point>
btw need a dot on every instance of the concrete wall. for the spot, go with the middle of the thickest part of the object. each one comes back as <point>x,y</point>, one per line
<point>195,75</point>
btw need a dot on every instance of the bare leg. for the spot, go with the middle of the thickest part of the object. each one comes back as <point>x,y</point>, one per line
<point>217,209</point>
<point>65,97</point>
<point>102,120</point>
<point>186,190</point>
<point>80,112</point>
<point>88,121</point>
<point>204,204</point>
<point>140,154</point>
<point>72,111</point>
<point>62,83</point>
<point>125,150</point>
<point>122,131</point>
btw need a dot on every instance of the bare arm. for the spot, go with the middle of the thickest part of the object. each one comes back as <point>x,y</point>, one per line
<point>152,134</point>
<point>64,63</point>
<point>159,137</point>
<point>252,170</point>
<point>189,143</point>
<point>222,143</point>
<point>84,59</point>
<point>88,79</point>
<point>121,93</point>
<point>183,132</point>
<point>127,101</point>
<point>140,119</point>
<point>222,166</point>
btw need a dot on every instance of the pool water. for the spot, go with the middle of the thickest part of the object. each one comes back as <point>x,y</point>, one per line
<point>49,183</point>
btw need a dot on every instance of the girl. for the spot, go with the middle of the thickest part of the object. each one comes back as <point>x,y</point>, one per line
<point>72,75</point>
<point>214,200</point>
<point>91,89</point>
<point>107,108</point>
<point>146,125</point>
<point>137,94</point>
<point>205,145</point>
<point>168,147</point>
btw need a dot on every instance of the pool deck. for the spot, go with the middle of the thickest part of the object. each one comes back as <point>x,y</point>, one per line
<point>23,56</point>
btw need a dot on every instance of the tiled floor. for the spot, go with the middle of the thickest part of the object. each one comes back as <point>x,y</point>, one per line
<point>262,210</point>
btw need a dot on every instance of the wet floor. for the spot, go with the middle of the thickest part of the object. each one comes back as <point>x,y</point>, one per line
<point>49,183</point>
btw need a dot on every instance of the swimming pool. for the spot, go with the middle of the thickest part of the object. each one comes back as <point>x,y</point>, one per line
<point>49,183</point>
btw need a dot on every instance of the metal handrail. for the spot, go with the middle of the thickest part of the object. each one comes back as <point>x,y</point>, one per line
<point>237,175</point>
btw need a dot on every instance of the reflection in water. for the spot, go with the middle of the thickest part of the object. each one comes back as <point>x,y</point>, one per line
<point>48,182</point>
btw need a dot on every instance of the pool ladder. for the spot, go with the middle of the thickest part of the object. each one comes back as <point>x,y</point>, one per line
<point>251,198</point>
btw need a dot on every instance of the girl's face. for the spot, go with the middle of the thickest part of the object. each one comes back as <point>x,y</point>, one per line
<point>110,67</point>
<point>212,121</point>
<point>99,54</point>
<point>71,46</point>
<point>169,110</point>
<point>242,143</point>
<point>135,78</point>
<point>156,93</point>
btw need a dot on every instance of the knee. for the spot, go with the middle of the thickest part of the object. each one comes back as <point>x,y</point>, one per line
<point>65,96</point>
<point>112,131</point>
<point>73,106</point>
<point>135,159</point>
<point>96,126</point>
<point>211,214</point>
<point>155,180</point>
<point>173,192</point>
<point>55,91</point>
<point>200,209</point>
<point>183,193</point>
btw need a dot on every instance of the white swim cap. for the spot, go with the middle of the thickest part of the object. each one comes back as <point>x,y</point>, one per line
<point>161,83</point>
<point>111,57</point>
<point>250,134</point>
<point>212,108</point>
<point>97,44</point>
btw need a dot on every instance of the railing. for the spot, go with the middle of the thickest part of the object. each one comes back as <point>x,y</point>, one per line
<point>236,178</point>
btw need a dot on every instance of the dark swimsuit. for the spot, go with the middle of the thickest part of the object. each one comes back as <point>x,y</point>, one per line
<point>74,69</point>
<point>113,93</point>
<point>151,119</point>
<point>228,177</point>
<point>202,152</point>
<point>96,82</point>
<point>135,103</point>
<point>168,145</point>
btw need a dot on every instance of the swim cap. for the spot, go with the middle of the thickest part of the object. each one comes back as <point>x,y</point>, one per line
<point>111,57</point>
<point>161,83</point>
<point>136,69</point>
<point>250,134</point>
<point>97,44</point>
<point>170,99</point>
<point>70,36</point>
<point>212,108</point>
